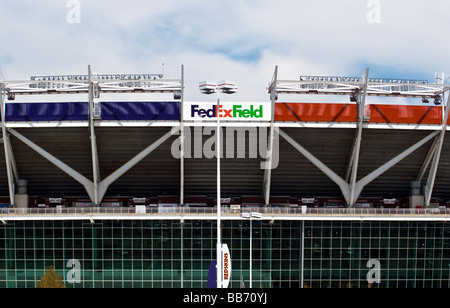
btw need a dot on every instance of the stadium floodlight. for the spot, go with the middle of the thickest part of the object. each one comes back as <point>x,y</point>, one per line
<point>177,95</point>
<point>227,87</point>
<point>208,87</point>
<point>11,96</point>
<point>341,85</point>
<point>98,77</point>
<point>359,79</point>
<point>438,99</point>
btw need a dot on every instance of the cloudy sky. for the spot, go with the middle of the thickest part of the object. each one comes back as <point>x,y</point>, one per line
<point>240,40</point>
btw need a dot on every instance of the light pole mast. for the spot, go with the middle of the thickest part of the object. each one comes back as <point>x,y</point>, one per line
<point>219,235</point>
<point>207,87</point>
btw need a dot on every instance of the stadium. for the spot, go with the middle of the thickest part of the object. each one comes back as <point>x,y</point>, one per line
<point>120,173</point>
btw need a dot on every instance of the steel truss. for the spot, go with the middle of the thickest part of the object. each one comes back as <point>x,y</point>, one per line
<point>93,85</point>
<point>124,83</point>
<point>357,88</point>
<point>351,86</point>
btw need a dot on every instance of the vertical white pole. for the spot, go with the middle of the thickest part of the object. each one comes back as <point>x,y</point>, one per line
<point>182,249</point>
<point>182,138</point>
<point>437,155</point>
<point>269,162</point>
<point>251,248</point>
<point>9,171</point>
<point>94,155</point>
<point>219,242</point>
<point>302,252</point>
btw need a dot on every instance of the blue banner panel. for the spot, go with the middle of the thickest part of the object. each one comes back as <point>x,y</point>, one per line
<point>30,112</point>
<point>136,111</point>
<point>212,275</point>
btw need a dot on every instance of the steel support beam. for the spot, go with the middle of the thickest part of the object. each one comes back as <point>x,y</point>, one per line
<point>6,143</point>
<point>437,154</point>
<point>182,138</point>
<point>427,160</point>
<point>344,186</point>
<point>361,102</point>
<point>267,165</point>
<point>359,185</point>
<point>94,152</point>
<point>13,160</point>
<point>105,183</point>
<point>88,185</point>
<point>380,170</point>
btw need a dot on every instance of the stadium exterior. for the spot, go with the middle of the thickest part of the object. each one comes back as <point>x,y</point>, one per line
<point>113,180</point>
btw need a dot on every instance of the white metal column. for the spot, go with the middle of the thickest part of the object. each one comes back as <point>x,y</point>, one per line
<point>380,170</point>
<point>88,185</point>
<point>361,101</point>
<point>105,183</point>
<point>437,154</point>
<point>219,282</point>
<point>427,160</point>
<point>269,155</point>
<point>344,186</point>
<point>12,160</point>
<point>94,152</point>
<point>182,138</point>
<point>7,150</point>
<point>359,185</point>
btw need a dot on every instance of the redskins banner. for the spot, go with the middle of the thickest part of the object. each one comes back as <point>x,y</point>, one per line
<point>226,266</point>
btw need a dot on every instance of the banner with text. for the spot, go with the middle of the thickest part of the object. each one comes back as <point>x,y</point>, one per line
<point>226,266</point>
<point>227,111</point>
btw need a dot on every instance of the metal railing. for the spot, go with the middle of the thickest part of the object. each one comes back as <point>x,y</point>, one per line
<point>225,210</point>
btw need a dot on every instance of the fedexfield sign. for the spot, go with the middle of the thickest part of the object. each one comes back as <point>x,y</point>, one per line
<point>227,111</point>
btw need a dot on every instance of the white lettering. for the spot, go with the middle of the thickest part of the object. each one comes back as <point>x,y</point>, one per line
<point>267,149</point>
<point>74,14</point>
<point>374,274</point>
<point>203,298</point>
<point>247,298</point>
<point>74,275</point>
<point>374,14</point>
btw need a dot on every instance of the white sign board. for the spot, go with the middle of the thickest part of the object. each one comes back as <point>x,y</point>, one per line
<point>226,266</point>
<point>141,209</point>
<point>228,111</point>
<point>167,208</point>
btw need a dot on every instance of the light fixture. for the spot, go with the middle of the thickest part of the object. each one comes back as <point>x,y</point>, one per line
<point>209,87</point>
<point>227,87</point>
<point>177,95</point>
<point>438,99</point>
<point>11,96</point>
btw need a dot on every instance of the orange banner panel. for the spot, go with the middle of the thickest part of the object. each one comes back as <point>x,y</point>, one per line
<point>323,112</point>
<point>405,114</point>
<point>315,112</point>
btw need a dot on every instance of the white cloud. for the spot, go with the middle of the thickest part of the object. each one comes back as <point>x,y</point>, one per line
<point>238,40</point>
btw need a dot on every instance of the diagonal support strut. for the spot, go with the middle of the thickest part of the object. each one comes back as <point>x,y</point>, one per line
<point>359,185</point>
<point>89,185</point>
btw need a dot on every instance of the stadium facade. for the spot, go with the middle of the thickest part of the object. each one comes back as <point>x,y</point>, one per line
<point>115,181</point>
